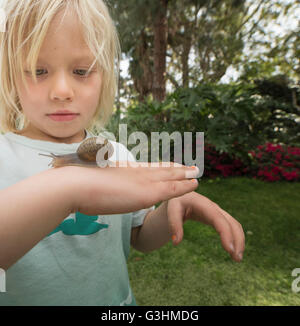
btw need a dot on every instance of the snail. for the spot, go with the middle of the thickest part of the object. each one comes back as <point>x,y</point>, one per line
<point>94,151</point>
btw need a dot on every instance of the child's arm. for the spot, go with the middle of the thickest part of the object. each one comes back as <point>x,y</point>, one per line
<point>166,221</point>
<point>30,210</point>
<point>34,207</point>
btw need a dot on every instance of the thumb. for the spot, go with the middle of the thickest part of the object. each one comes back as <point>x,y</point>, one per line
<point>175,220</point>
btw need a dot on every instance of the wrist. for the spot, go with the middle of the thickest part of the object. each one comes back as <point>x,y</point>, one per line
<point>81,186</point>
<point>66,185</point>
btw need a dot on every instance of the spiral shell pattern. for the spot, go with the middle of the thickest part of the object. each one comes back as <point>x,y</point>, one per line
<point>88,149</point>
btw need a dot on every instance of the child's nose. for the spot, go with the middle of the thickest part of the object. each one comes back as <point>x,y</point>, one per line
<point>61,88</point>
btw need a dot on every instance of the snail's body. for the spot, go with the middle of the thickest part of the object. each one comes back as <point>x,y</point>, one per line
<point>86,154</point>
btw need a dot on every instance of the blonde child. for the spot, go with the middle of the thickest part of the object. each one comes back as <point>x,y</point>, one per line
<point>65,233</point>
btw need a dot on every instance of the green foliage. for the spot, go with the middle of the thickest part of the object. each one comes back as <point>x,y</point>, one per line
<point>234,118</point>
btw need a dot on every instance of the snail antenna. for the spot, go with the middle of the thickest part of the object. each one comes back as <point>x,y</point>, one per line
<point>52,155</point>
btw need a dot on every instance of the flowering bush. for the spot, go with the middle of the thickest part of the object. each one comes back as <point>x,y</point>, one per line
<point>272,162</point>
<point>269,162</point>
<point>221,164</point>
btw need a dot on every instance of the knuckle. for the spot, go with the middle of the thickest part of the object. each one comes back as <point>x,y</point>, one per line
<point>173,187</point>
<point>167,190</point>
<point>216,205</point>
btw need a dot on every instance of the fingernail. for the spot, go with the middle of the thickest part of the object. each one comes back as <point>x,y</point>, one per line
<point>173,237</point>
<point>192,173</point>
<point>231,247</point>
<point>240,255</point>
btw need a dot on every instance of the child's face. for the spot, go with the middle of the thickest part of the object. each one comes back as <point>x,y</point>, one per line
<point>60,87</point>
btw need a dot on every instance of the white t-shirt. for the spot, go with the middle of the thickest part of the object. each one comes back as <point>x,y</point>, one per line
<point>82,261</point>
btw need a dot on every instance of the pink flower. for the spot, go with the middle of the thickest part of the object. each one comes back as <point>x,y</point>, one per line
<point>276,169</point>
<point>271,147</point>
<point>287,164</point>
<point>294,175</point>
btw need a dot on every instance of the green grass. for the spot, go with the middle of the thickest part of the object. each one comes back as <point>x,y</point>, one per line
<point>200,272</point>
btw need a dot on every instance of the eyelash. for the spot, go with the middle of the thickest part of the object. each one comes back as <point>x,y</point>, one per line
<point>81,76</point>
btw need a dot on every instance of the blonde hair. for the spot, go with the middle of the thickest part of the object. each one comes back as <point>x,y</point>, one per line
<point>26,27</point>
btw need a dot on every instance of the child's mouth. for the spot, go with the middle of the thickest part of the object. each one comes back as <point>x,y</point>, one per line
<point>63,116</point>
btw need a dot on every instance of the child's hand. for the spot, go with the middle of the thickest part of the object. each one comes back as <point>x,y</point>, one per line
<point>199,208</point>
<point>114,190</point>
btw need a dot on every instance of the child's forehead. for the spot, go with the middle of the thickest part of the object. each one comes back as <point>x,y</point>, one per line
<point>65,27</point>
<point>65,34</point>
<point>72,57</point>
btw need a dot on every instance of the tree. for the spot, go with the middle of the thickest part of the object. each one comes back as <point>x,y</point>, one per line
<point>186,42</point>
<point>143,31</point>
<point>160,27</point>
<point>276,47</point>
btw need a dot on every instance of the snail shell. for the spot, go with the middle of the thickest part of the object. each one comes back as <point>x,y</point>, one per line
<point>91,152</point>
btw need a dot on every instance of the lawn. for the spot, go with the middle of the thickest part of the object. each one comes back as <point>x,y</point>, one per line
<point>200,272</point>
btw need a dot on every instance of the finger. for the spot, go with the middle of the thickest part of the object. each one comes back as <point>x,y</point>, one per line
<point>209,213</point>
<point>170,189</point>
<point>174,172</point>
<point>175,213</point>
<point>161,170</point>
<point>230,236</point>
<point>222,226</point>
<point>214,217</point>
<point>238,234</point>
<point>150,165</point>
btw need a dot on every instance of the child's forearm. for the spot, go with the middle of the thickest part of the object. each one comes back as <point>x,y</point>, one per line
<point>34,207</point>
<point>30,210</point>
<point>154,233</point>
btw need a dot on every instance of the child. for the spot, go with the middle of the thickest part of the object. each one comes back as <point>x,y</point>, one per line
<point>65,232</point>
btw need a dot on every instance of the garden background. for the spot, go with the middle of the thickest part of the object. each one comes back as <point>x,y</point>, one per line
<point>231,70</point>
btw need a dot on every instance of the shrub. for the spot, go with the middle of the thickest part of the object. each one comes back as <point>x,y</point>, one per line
<point>221,164</point>
<point>272,162</point>
<point>235,118</point>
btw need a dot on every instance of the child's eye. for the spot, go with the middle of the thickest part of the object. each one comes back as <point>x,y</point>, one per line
<point>81,72</point>
<point>39,72</point>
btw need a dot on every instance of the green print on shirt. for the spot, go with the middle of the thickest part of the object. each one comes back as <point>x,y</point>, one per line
<point>81,225</point>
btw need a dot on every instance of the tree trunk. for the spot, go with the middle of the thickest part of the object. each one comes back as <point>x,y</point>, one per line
<point>160,50</point>
<point>187,44</point>
<point>142,68</point>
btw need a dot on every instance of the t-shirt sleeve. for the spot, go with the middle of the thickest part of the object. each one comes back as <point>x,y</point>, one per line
<point>137,216</point>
